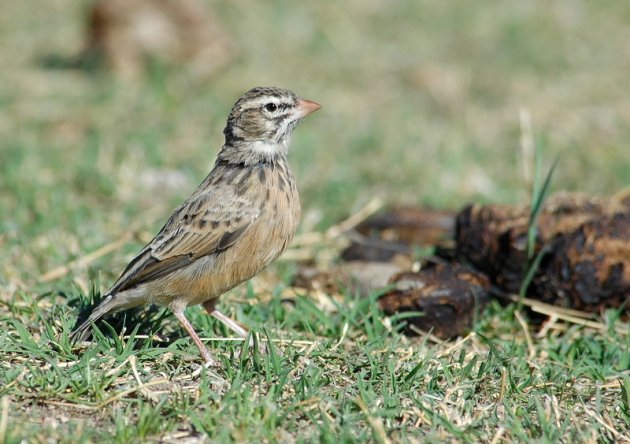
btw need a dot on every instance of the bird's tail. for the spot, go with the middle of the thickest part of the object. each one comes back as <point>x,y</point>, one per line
<point>82,332</point>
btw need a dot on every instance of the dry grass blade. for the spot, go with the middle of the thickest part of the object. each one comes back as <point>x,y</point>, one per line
<point>61,271</point>
<point>344,332</point>
<point>532,303</point>
<point>429,336</point>
<point>336,230</point>
<point>375,423</point>
<point>124,393</point>
<point>116,397</point>
<point>621,437</point>
<point>148,393</point>
<point>457,345</point>
<point>70,405</point>
<point>530,344</point>
<point>566,314</point>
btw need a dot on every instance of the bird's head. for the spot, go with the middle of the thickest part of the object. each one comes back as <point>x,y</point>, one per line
<point>263,119</point>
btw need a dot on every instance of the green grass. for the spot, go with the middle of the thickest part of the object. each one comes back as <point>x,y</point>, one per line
<point>421,105</point>
<point>359,385</point>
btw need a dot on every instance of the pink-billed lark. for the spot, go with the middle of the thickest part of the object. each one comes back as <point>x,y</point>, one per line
<point>241,217</point>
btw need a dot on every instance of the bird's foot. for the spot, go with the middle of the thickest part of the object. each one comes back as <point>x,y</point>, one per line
<point>207,357</point>
<point>209,363</point>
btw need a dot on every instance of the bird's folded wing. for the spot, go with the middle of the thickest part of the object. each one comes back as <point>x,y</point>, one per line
<point>209,222</point>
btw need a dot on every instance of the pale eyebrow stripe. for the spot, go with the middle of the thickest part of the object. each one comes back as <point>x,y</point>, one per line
<point>280,101</point>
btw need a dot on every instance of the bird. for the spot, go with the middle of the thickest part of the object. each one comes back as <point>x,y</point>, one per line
<point>241,217</point>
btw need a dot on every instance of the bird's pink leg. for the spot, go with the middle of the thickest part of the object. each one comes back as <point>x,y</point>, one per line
<point>210,307</point>
<point>242,332</point>
<point>205,354</point>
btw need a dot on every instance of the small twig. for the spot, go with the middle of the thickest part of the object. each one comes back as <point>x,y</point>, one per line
<point>15,381</point>
<point>176,437</point>
<point>124,393</point>
<point>551,311</point>
<point>430,336</point>
<point>334,231</point>
<point>528,338</point>
<point>116,370</point>
<point>61,271</point>
<point>146,392</point>
<point>369,209</point>
<point>457,345</point>
<point>565,314</point>
<point>344,331</point>
<point>618,435</point>
<point>69,405</point>
<point>109,400</point>
<point>531,303</point>
<point>153,337</point>
<point>549,324</point>
<point>422,417</point>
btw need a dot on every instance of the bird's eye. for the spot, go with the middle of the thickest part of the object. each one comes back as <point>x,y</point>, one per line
<point>271,107</point>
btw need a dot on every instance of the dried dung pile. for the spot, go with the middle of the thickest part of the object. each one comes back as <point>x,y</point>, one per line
<point>580,254</point>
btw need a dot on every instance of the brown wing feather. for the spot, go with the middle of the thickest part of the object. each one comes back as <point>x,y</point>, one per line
<point>211,220</point>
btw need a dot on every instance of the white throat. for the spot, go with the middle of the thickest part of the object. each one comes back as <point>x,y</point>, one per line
<point>269,148</point>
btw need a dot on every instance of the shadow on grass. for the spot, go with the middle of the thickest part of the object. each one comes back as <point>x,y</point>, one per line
<point>143,323</point>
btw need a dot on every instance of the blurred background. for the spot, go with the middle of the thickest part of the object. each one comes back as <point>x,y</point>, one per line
<point>423,103</point>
